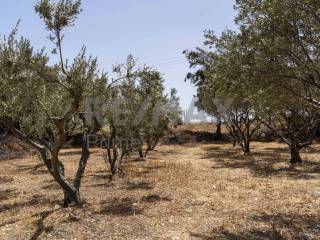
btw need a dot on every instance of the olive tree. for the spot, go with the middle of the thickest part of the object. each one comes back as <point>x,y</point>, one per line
<point>272,64</point>
<point>282,56</point>
<point>292,119</point>
<point>44,105</point>
<point>154,119</point>
<point>284,42</point>
<point>134,118</point>
<point>223,85</point>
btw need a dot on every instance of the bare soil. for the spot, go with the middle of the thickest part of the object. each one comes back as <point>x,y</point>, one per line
<point>193,191</point>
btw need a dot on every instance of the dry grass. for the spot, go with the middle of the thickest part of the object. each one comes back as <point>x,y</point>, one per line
<point>204,191</point>
<point>205,127</point>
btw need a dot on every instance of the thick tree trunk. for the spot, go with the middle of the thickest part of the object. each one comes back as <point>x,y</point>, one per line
<point>140,153</point>
<point>247,140</point>
<point>71,194</point>
<point>246,148</point>
<point>82,163</point>
<point>54,166</point>
<point>141,156</point>
<point>112,161</point>
<point>117,161</point>
<point>232,134</point>
<point>115,156</point>
<point>234,142</point>
<point>218,134</point>
<point>47,161</point>
<point>151,147</point>
<point>295,155</point>
<point>109,158</point>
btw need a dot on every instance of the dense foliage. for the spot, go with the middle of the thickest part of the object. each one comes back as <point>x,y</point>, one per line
<point>48,105</point>
<point>268,72</point>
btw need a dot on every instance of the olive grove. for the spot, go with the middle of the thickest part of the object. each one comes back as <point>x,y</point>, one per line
<point>267,73</point>
<point>46,105</point>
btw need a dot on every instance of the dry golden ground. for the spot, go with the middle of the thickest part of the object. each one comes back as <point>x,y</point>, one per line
<point>203,191</point>
<point>206,127</point>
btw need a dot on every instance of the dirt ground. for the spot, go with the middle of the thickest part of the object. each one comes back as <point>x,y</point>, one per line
<point>199,191</point>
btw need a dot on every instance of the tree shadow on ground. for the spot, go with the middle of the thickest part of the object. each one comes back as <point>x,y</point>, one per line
<point>7,194</point>
<point>169,153</point>
<point>228,235</point>
<point>6,179</point>
<point>187,136</point>
<point>29,167</point>
<point>216,152</point>
<point>285,150</point>
<point>153,168</point>
<point>13,155</point>
<point>52,186</point>
<point>262,163</point>
<point>137,160</point>
<point>143,170</point>
<point>152,198</point>
<point>101,177</point>
<point>18,205</point>
<point>40,225</point>
<point>142,173</point>
<point>38,169</point>
<point>121,207</point>
<point>104,180</point>
<point>131,186</point>
<point>34,201</point>
<point>130,206</point>
<point>71,153</point>
<point>37,201</point>
<point>280,226</point>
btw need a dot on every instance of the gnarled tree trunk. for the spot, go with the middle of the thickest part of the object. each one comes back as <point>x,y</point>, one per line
<point>85,154</point>
<point>115,156</point>
<point>54,166</point>
<point>246,147</point>
<point>295,154</point>
<point>141,156</point>
<point>71,194</point>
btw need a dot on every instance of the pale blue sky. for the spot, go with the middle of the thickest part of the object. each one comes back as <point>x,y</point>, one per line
<point>155,31</point>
